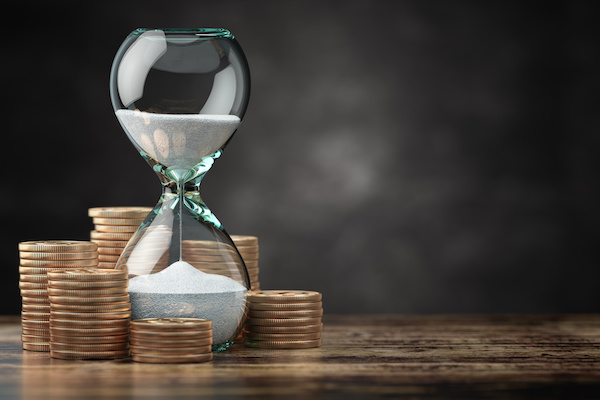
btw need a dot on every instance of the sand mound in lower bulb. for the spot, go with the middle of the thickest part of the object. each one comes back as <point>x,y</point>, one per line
<point>181,290</point>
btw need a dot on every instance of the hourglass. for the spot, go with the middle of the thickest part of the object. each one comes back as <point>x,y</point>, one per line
<point>180,95</point>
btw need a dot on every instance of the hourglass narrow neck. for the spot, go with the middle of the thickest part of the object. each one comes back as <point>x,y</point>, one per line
<point>186,200</point>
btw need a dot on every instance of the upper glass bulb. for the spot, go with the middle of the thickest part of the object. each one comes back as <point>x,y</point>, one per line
<point>179,94</point>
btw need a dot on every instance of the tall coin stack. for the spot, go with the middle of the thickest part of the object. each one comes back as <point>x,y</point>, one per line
<point>171,340</point>
<point>248,248</point>
<point>89,314</point>
<point>36,259</point>
<point>284,319</point>
<point>114,226</point>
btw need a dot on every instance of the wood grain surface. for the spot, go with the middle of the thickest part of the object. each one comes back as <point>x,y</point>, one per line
<point>419,357</point>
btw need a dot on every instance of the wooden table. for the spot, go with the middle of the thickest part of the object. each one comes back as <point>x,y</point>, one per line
<point>420,357</point>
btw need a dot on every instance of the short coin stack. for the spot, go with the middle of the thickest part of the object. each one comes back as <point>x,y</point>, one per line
<point>89,314</point>
<point>36,259</point>
<point>114,226</point>
<point>284,319</point>
<point>171,340</point>
<point>248,248</point>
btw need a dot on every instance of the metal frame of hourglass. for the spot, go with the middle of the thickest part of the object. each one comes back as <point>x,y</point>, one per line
<point>180,94</point>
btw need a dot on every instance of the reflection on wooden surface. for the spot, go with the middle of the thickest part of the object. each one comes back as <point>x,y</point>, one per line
<point>362,357</point>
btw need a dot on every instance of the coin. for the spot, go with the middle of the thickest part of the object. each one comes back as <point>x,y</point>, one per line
<point>295,296</point>
<point>284,329</point>
<point>95,235</point>
<point>34,278</point>
<point>160,351</point>
<point>282,336</point>
<point>89,324</point>
<point>53,264</point>
<point>92,308</point>
<point>52,291</point>
<point>38,255</point>
<point>33,285</point>
<point>35,300</point>
<point>110,243</point>
<point>284,344</point>
<point>107,258</point>
<point>36,307</point>
<point>120,346</point>
<point>119,212</point>
<point>171,324</point>
<point>118,221</point>
<point>90,339</point>
<point>35,338</point>
<point>171,343</point>
<point>282,321</point>
<point>282,314</point>
<point>34,293</point>
<point>88,275</point>
<point>40,316</point>
<point>43,333</point>
<point>181,359</point>
<point>110,251</point>
<point>70,246</point>
<point>316,305</point>
<point>88,355</point>
<point>244,240</point>
<point>117,228</point>
<point>64,331</point>
<point>36,346</point>
<point>88,300</point>
<point>89,284</point>
<point>155,335</point>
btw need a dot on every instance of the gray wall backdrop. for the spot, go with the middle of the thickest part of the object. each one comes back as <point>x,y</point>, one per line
<point>398,156</point>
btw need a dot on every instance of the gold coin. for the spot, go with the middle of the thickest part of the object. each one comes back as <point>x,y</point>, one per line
<point>159,351</point>
<point>122,346</point>
<point>52,291</point>
<point>274,296</point>
<point>35,338</point>
<point>121,283</point>
<point>88,355</point>
<point>88,300</point>
<point>42,333</point>
<point>36,307</point>
<point>68,331</point>
<point>90,339</point>
<point>40,316</point>
<point>157,335</point>
<point>54,264</point>
<point>119,212</point>
<point>33,285</point>
<point>283,314</point>
<point>112,236</point>
<point>90,315</point>
<point>89,324</point>
<point>207,259</point>
<point>38,255</point>
<point>117,228</point>
<point>315,305</point>
<point>244,240</point>
<point>107,264</point>
<point>35,324</point>
<point>282,336</point>
<point>58,246</point>
<point>34,293</point>
<point>108,258</point>
<point>110,251</point>
<point>284,329</point>
<point>282,321</point>
<point>171,343</point>
<point>92,308</point>
<point>36,346</point>
<point>34,278</point>
<point>283,344</point>
<point>182,359</point>
<point>88,275</point>
<point>110,244</point>
<point>118,221</point>
<point>35,300</point>
<point>171,324</point>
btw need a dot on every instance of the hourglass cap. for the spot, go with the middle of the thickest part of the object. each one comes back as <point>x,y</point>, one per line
<point>181,71</point>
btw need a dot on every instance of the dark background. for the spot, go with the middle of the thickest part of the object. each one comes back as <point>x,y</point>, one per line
<point>398,156</point>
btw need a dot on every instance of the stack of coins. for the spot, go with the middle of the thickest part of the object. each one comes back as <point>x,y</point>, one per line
<point>171,340</point>
<point>36,259</point>
<point>212,257</point>
<point>114,226</point>
<point>248,248</point>
<point>89,314</point>
<point>284,319</point>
